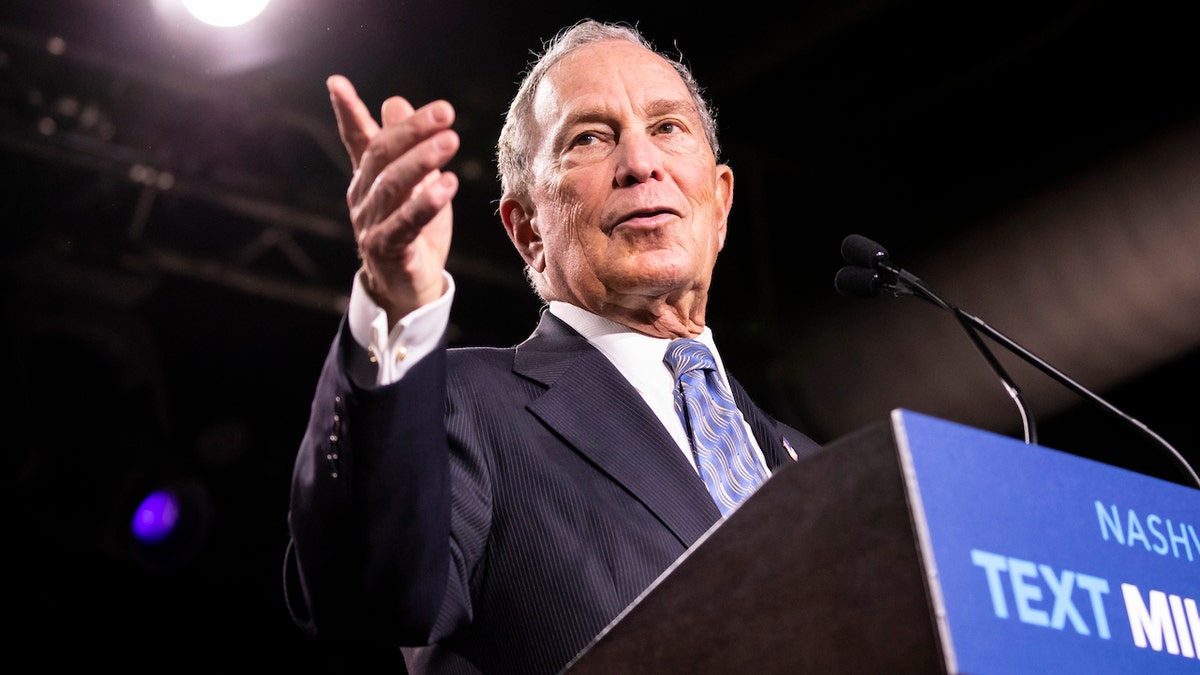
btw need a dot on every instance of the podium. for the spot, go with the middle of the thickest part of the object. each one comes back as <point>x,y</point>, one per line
<point>917,545</point>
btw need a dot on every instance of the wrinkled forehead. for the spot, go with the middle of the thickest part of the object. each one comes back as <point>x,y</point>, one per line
<point>607,74</point>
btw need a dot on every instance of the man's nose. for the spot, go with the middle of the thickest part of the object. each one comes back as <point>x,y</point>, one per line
<point>638,160</point>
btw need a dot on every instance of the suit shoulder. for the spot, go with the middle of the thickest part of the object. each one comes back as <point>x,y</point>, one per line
<point>479,354</point>
<point>480,358</point>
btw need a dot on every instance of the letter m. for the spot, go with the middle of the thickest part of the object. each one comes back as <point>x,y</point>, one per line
<point>1151,626</point>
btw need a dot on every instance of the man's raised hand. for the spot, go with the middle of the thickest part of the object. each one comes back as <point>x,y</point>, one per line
<point>399,197</point>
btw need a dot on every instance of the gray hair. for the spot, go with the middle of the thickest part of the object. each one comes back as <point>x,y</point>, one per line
<point>518,138</point>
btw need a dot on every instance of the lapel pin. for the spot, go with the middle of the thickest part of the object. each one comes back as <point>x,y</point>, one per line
<point>788,446</point>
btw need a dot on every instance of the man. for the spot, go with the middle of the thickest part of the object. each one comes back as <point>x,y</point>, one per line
<point>492,510</point>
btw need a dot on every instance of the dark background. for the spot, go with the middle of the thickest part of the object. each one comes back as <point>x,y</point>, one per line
<point>177,256</point>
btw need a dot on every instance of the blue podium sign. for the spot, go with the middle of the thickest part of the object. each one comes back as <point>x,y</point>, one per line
<point>1039,561</point>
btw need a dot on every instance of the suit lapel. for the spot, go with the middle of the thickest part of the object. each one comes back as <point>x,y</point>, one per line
<point>770,439</point>
<point>595,409</point>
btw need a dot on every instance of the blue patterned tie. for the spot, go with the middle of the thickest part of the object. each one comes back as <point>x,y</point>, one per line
<point>726,459</point>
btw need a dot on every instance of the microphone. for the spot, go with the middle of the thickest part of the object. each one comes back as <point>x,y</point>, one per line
<point>865,257</point>
<point>872,274</point>
<point>861,282</point>
<point>862,252</point>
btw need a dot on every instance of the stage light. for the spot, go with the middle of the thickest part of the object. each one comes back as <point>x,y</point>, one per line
<point>225,13</point>
<point>170,523</point>
<point>155,517</point>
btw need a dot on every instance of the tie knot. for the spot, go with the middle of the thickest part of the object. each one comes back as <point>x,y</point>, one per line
<point>686,355</point>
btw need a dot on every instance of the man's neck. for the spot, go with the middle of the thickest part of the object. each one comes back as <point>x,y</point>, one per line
<point>661,320</point>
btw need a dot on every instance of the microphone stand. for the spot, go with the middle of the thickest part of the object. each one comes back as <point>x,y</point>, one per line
<point>1074,386</point>
<point>970,324</point>
<point>901,283</point>
<point>868,255</point>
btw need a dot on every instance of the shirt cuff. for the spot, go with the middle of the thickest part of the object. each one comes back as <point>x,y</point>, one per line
<point>386,356</point>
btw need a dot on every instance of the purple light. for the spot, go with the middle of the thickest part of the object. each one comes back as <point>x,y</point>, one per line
<point>155,517</point>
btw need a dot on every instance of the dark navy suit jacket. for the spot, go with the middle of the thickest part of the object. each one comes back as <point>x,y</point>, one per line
<point>500,505</point>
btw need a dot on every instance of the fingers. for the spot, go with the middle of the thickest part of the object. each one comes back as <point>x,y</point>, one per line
<point>395,110</point>
<point>403,225</point>
<point>403,132</point>
<point>398,158</point>
<point>432,196</point>
<point>355,124</point>
<point>400,189</point>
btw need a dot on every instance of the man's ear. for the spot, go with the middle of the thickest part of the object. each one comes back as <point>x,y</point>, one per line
<point>724,197</point>
<point>521,224</point>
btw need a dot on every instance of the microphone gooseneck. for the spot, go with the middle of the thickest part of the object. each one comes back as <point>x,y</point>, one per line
<point>872,274</point>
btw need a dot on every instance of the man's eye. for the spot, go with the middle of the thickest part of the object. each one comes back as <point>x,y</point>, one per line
<point>667,128</point>
<point>587,138</point>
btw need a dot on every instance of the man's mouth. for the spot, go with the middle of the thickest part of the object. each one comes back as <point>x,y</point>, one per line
<point>645,218</point>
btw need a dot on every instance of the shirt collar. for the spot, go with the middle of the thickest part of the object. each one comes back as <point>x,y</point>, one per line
<point>637,355</point>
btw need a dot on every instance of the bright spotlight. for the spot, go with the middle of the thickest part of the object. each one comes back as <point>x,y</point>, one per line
<point>225,13</point>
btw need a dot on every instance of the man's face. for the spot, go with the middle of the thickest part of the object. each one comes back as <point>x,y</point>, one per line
<point>628,201</point>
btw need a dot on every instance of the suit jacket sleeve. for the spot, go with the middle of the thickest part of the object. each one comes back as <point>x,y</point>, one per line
<point>369,514</point>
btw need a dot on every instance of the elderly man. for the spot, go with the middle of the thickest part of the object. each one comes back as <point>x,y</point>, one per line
<point>491,510</point>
